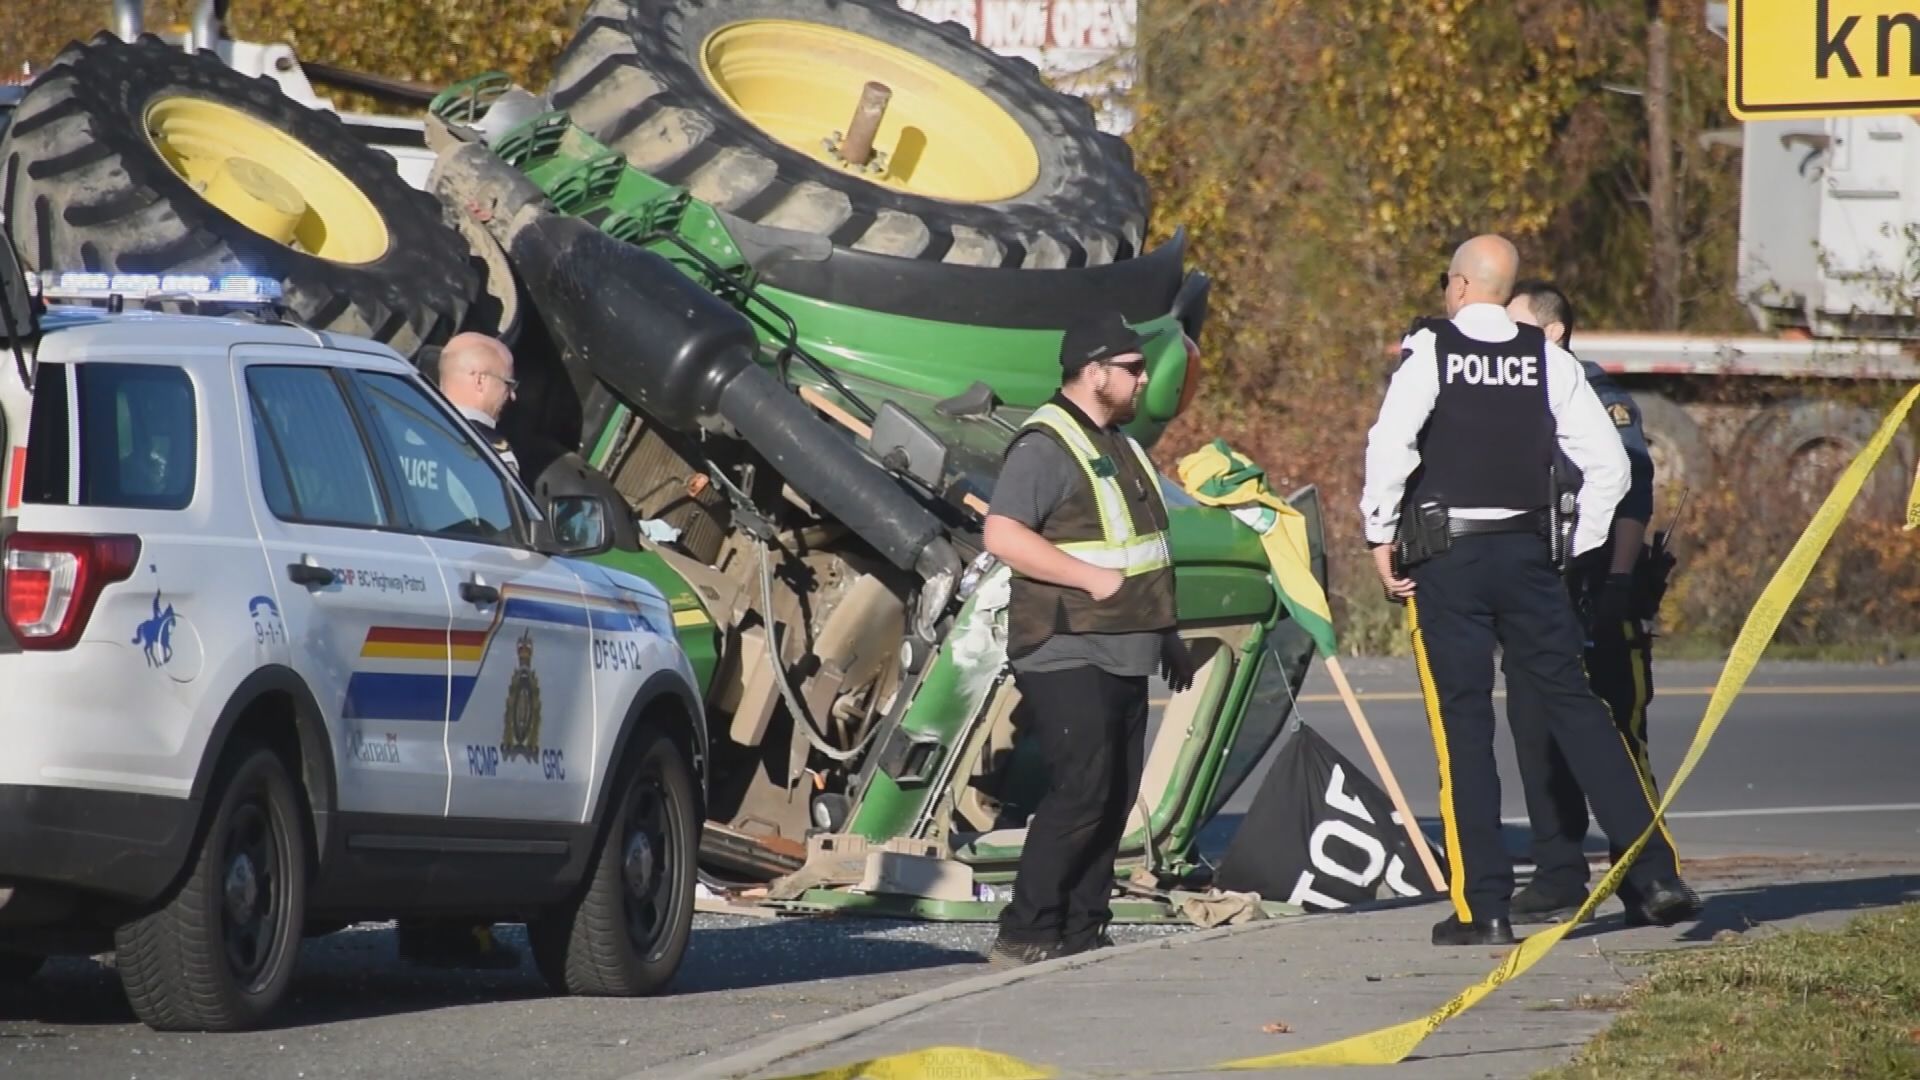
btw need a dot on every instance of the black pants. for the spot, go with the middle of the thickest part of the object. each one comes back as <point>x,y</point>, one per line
<point>1092,731</point>
<point>1619,668</point>
<point>1502,588</point>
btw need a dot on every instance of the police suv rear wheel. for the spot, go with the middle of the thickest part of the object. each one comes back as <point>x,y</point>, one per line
<point>219,955</point>
<point>626,934</point>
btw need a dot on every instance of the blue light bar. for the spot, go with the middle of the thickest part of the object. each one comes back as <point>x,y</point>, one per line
<point>94,285</point>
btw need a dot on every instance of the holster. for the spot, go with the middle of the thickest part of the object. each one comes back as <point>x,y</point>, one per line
<point>1424,532</point>
<point>1651,574</point>
<point>1562,516</point>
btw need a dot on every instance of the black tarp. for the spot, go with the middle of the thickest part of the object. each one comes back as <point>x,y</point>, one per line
<point>1321,833</point>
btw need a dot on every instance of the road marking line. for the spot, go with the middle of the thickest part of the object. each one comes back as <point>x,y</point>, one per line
<point>1658,692</point>
<point>1773,811</point>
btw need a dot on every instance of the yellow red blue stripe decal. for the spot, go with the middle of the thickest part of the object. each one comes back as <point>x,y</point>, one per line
<point>414,673</point>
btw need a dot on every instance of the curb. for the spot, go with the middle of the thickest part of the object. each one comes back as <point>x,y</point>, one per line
<point>806,1039</point>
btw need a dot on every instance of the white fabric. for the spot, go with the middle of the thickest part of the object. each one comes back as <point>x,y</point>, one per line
<point>1147,553</point>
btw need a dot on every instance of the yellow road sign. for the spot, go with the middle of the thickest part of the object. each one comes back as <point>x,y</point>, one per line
<point>1790,58</point>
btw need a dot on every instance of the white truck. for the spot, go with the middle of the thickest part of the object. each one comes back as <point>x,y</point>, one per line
<point>285,646</point>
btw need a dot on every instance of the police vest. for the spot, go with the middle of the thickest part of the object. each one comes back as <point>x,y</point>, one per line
<point>1489,441</point>
<point>1115,519</point>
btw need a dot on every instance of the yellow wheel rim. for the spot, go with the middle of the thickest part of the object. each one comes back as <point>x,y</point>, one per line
<point>940,137</point>
<point>266,180</point>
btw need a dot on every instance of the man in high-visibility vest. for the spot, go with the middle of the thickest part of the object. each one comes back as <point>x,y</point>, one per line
<point>1077,515</point>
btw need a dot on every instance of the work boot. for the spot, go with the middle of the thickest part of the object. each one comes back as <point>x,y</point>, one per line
<point>1494,931</point>
<point>1098,938</point>
<point>1666,903</point>
<point>1536,904</point>
<point>1013,954</point>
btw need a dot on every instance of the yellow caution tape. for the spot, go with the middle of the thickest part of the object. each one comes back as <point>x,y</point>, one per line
<point>936,1061</point>
<point>1390,1045</point>
<point>1913,500</point>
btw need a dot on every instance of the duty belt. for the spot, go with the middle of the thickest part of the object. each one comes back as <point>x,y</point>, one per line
<point>1533,521</point>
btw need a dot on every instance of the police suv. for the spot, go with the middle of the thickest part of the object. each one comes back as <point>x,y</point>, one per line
<point>285,647</point>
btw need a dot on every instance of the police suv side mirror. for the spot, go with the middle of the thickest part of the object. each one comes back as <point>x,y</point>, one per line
<point>580,524</point>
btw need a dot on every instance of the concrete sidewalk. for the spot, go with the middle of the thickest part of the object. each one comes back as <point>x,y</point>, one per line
<point>1182,1004</point>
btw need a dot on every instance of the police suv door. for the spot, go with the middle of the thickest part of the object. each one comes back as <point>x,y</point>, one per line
<point>521,729</point>
<point>360,602</point>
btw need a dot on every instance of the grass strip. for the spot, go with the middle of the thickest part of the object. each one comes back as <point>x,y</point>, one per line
<point>1798,1004</point>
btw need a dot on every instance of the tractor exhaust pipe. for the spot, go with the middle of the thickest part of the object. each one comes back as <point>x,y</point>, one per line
<point>128,20</point>
<point>665,345</point>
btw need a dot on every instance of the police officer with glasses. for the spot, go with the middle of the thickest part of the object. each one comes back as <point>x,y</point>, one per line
<point>1461,512</point>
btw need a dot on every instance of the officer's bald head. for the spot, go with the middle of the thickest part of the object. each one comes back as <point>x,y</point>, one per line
<point>476,372</point>
<point>1482,272</point>
<point>467,349</point>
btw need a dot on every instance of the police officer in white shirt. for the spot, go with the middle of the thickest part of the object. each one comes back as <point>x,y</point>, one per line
<point>1463,451</point>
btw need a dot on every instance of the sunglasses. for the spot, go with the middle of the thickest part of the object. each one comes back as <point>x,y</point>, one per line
<point>1446,279</point>
<point>1135,368</point>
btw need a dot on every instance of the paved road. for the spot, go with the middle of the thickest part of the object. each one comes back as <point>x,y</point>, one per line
<point>358,1012</point>
<point>1812,759</point>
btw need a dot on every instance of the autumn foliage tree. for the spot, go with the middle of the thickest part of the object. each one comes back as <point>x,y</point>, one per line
<point>1326,159</point>
<point>427,41</point>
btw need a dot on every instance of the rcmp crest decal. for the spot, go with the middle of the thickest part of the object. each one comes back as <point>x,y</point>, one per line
<point>1620,415</point>
<point>521,737</point>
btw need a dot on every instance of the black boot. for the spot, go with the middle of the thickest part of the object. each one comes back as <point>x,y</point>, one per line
<point>1666,903</point>
<point>1096,938</point>
<point>1494,931</point>
<point>1012,954</point>
<point>1535,904</point>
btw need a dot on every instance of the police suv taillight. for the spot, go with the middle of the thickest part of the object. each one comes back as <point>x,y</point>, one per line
<point>53,579</point>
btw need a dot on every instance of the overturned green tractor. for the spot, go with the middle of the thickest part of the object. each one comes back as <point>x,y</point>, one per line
<point>784,277</point>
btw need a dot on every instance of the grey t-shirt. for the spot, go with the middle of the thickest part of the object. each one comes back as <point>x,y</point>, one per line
<point>1038,476</point>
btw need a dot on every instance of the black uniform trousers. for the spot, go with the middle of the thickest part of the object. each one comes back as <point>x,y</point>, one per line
<point>1091,727</point>
<point>1619,668</point>
<point>1502,588</point>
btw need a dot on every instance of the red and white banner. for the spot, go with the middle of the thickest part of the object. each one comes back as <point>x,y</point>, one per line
<point>1083,46</point>
<point>1101,27</point>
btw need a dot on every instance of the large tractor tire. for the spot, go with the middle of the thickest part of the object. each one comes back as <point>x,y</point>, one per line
<point>745,103</point>
<point>145,159</point>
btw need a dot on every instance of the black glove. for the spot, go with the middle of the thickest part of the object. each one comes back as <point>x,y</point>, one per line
<point>1589,565</point>
<point>1176,664</point>
<point>1612,603</point>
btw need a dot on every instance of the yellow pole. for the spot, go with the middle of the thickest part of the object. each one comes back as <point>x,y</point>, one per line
<point>1414,834</point>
